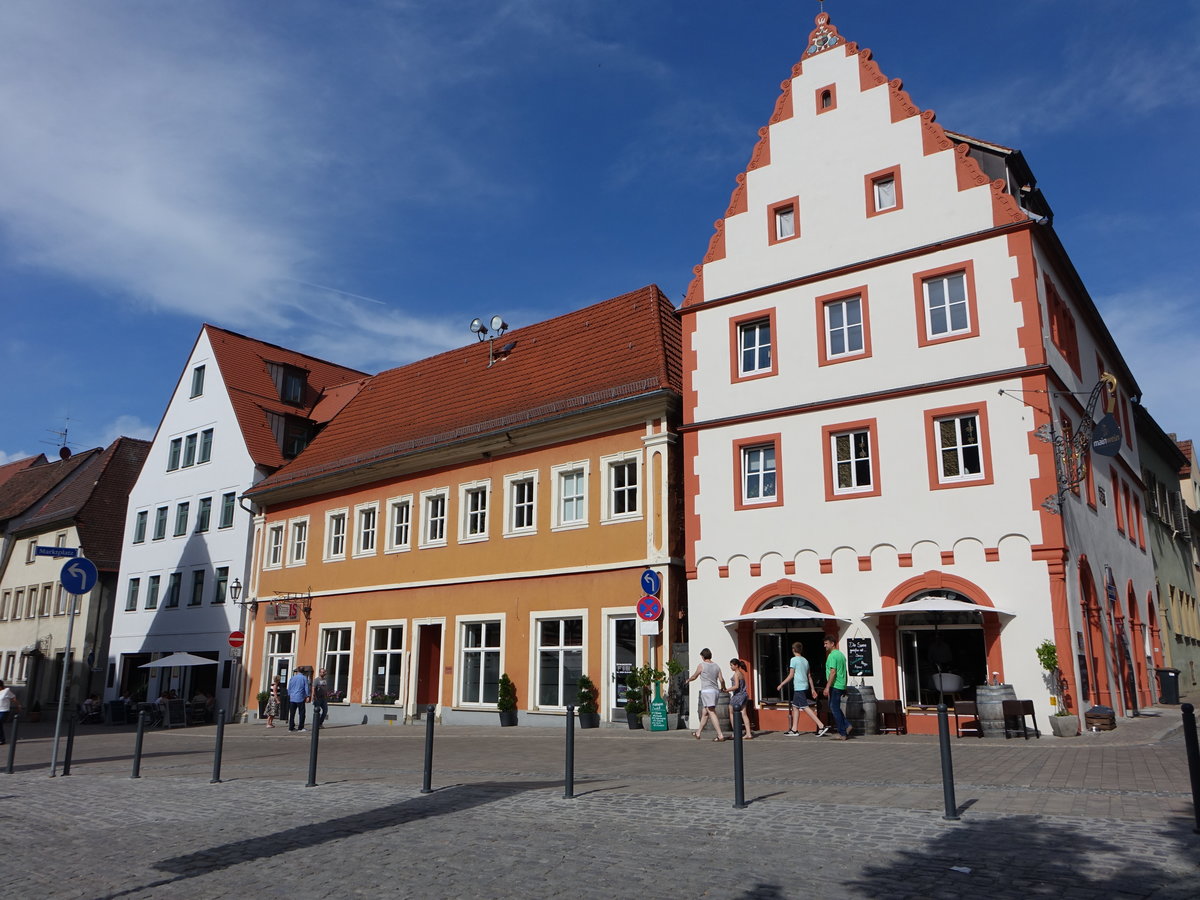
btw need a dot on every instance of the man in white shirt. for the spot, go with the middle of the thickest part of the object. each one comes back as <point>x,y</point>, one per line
<point>8,704</point>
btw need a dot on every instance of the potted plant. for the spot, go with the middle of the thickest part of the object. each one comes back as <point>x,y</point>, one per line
<point>1063,723</point>
<point>635,705</point>
<point>586,700</point>
<point>263,697</point>
<point>506,701</point>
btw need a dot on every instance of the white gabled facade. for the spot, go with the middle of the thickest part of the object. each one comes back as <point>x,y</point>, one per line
<point>883,321</point>
<point>203,545</point>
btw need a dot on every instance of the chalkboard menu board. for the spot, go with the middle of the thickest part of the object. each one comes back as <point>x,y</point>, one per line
<point>858,656</point>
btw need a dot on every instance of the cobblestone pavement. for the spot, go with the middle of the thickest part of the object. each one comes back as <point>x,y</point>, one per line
<point>1107,814</point>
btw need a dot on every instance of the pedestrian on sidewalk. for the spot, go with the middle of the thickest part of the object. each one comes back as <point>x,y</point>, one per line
<point>299,693</point>
<point>739,697</point>
<point>835,686</point>
<point>712,685</point>
<point>8,704</point>
<point>320,695</point>
<point>802,683</point>
<point>272,709</point>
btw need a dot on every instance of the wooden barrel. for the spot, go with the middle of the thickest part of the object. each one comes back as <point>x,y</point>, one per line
<point>989,699</point>
<point>858,705</point>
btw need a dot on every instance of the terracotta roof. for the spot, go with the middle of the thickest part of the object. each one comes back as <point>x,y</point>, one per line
<point>244,364</point>
<point>95,499</point>
<point>8,470</point>
<point>26,488</point>
<point>615,350</point>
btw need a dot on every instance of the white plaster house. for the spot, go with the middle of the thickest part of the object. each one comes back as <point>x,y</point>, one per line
<point>883,322</point>
<point>240,409</point>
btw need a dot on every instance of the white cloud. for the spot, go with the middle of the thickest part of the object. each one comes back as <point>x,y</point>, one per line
<point>6,458</point>
<point>124,426</point>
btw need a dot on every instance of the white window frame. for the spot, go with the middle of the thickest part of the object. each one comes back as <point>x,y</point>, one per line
<point>395,663</point>
<point>853,462</point>
<point>394,505</point>
<point>366,529</point>
<point>557,475</point>
<point>744,474</point>
<point>965,303</point>
<point>535,623</point>
<point>460,655</point>
<point>298,541</point>
<point>332,537</point>
<point>785,221</point>
<point>608,486</point>
<point>274,549</point>
<point>958,447</point>
<point>5,599</point>
<point>430,499</point>
<point>344,657</point>
<point>511,483</point>
<point>881,202</point>
<point>474,524</point>
<point>846,329</point>
<point>755,329</point>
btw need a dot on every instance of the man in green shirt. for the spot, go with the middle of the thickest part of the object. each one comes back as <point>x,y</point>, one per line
<point>835,686</point>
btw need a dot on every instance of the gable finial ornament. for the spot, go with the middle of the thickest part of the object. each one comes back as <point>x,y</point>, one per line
<point>824,36</point>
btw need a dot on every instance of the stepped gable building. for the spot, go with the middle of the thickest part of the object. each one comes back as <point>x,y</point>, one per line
<point>73,504</point>
<point>489,510</point>
<point>883,347</point>
<point>240,409</point>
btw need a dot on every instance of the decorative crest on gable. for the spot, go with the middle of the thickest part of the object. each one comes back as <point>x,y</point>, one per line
<point>823,37</point>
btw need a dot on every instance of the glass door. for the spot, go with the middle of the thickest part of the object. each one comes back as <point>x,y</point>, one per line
<point>622,655</point>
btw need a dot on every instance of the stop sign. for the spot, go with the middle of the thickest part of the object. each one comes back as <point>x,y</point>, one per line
<point>236,639</point>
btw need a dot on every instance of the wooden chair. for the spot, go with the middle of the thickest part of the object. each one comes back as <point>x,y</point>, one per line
<point>1015,713</point>
<point>966,718</point>
<point>891,710</point>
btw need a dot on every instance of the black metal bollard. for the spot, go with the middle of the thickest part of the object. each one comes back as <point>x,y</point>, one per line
<point>947,765</point>
<point>428,776</point>
<point>70,746</point>
<point>12,745</point>
<point>137,745</point>
<point>1193,757</point>
<point>312,755</point>
<point>739,771</point>
<point>216,779</point>
<point>569,789</point>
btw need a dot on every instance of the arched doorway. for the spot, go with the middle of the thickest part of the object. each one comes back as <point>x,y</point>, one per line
<point>1094,678</point>
<point>933,643</point>
<point>773,639</point>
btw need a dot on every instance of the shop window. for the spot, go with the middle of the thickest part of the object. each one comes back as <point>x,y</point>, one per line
<point>560,660</point>
<point>480,661</point>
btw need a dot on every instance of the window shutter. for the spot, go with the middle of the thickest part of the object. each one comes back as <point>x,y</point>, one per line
<point>1182,525</point>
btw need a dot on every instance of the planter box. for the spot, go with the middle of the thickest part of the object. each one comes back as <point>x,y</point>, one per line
<point>1064,726</point>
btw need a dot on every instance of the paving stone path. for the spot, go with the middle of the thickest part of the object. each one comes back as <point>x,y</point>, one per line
<point>652,816</point>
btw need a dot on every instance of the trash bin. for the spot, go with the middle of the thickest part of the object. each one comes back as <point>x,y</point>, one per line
<point>1168,685</point>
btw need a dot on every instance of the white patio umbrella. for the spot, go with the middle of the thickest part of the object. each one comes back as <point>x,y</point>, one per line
<point>178,659</point>
<point>782,613</point>
<point>935,604</point>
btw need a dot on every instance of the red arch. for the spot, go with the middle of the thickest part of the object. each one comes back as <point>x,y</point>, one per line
<point>1097,656</point>
<point>785,587</point>
<point>934,580</point>
<point>1137,648</point>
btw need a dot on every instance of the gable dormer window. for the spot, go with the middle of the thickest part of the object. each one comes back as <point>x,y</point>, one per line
<point>293,386</point>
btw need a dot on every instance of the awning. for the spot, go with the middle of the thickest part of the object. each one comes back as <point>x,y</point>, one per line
<point>784,614</point>
<point>178,659</point>
<point>935,604</point>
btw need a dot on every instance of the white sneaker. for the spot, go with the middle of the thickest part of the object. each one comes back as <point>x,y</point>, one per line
<point>823,731</point>
<point>791,733</point>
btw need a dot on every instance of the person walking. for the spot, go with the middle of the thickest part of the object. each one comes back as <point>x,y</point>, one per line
<point>320,695</point>
<point>835,685</point>
<point>9,704</point>
<point>299,692</point>
<point>712,684</point>
<point>272,709</point>
<point>802,683</point>
<point>739,697</point>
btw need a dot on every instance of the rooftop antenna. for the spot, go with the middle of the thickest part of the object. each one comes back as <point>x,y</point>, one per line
<point>64,446</point>
<point>498,327</point>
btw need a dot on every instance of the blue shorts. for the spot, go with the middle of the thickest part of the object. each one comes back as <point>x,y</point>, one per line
<point>800,699</point>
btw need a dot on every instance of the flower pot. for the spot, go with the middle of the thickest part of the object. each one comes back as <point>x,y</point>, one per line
<point>634,720</point>
<point>1064,726</point>
<point>589,720</point>
<point>508,718</point>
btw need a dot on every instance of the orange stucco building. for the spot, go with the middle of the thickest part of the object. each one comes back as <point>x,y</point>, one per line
<point>488,510</point>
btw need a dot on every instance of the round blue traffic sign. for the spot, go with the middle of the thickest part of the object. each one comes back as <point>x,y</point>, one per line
<point>651,582</point>
<point>649,608</point>
<point>78,576</point>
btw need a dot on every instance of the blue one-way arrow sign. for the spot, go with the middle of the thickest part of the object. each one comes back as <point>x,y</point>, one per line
<point>79,576</point>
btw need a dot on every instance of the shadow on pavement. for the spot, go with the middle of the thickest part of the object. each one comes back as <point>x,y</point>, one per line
<point>1026,855</point>
<point>445,801</point>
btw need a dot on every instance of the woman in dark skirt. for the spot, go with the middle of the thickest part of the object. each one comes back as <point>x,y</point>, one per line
<point>739,697</point>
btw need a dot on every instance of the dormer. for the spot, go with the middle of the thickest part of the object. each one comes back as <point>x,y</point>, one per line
<point>291,382</point>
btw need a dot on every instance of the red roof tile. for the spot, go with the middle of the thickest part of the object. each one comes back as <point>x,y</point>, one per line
<point>614,350</point>
<point>8,470</point>
<point>244,364</point>
<point>29,486</point>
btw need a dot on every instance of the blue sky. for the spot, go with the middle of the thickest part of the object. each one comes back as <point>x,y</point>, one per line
<point>358,180</point>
